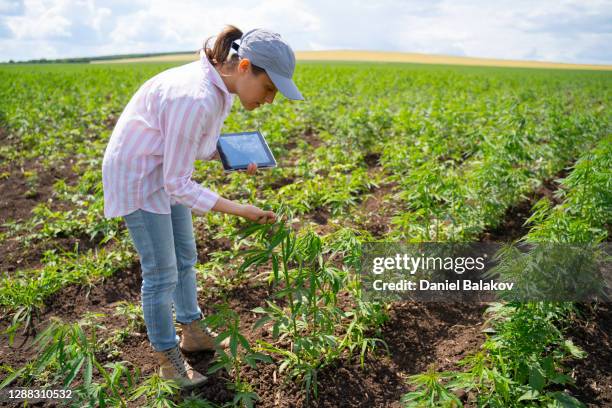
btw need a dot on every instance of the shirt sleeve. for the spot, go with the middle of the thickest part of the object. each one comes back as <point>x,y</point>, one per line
<point>182,122</point>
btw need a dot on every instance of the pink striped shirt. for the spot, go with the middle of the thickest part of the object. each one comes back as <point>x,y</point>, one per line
<point>172,120</point>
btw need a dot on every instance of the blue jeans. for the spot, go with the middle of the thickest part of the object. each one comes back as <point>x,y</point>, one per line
<point>167,250</point>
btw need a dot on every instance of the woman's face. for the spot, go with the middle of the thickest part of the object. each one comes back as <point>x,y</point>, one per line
<point>253,89</point>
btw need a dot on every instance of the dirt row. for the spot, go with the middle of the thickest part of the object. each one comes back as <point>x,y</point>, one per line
<point>18,197</point>
<point>512,226</point>
<point>417,335</point>
<point>592,331</point>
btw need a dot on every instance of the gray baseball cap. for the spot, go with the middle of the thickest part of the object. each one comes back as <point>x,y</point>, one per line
<point>269,51</point>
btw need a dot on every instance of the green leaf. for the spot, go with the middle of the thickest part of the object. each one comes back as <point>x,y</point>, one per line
<point>275,267</point>
<point>536,378</point>
<point>245,398</point>
<point>251,229</point>
<point>243,341</point>
<point>138,392</point>
<point>364,349</point>
<point>88,371</point>
<point>74,370</point>
<point>562,379</point>
<point>565,400</point>
<point>261,322</point>
<point>257,259</point>
<point>252,359</point>
<point>217,366</point>
<point>12,377</point>
<point>277,239</point>
<point>234,346</point>
<point>222,336</point>
<point>574,350</point>
<point>489,330</point>
<point>549,366</point>
<point>529,395</point>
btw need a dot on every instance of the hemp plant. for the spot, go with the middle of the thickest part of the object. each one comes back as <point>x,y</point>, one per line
<point>158,392</point>
<point>366,315</point>
<point>132,313</point>
<point>309,286</point>
<point>431,391</point>
<point>227,322</point>
<point>67,352</point>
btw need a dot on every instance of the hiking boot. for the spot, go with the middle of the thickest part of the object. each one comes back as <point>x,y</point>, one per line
<point>196,337</point>
<point>172,366</point>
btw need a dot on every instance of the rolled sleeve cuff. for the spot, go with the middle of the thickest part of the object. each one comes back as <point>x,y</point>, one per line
<point>205,201</point>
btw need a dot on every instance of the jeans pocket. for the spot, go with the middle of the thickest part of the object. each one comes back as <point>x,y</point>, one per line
<point>138,232</point>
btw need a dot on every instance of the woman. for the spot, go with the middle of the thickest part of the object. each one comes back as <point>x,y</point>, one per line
<point>172,120</point>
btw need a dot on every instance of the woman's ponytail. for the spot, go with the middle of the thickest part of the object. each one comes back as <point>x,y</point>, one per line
<point>218,54</point>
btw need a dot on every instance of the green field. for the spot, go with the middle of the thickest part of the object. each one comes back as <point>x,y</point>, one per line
<point>377,152</point>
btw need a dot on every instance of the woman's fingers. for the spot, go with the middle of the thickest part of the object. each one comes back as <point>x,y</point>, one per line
<point>271,217</point>
<point>267,217</point>
<point>252,168</point>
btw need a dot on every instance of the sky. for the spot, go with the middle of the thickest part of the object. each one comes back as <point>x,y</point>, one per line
<point>573,31</point>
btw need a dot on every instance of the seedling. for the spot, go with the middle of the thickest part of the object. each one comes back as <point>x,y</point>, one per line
<point>240,352</point>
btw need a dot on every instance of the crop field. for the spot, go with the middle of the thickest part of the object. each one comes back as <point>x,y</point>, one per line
<point>378,152</point>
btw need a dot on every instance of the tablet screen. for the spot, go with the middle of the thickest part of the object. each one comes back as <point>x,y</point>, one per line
<point>237,150</point>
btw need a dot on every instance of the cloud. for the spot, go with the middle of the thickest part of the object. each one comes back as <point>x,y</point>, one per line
<point>569,18</point>
<point>163,26</point>
<point>39,22</point>
<point>596,49</point>
<point>565,30</point>
<point>71,22</point>
<point>5,30</point>
<point>11,7</point>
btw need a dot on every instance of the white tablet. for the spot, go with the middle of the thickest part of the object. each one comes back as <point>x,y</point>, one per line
<point>237,150</point>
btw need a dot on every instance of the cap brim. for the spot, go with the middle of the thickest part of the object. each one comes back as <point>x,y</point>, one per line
<point>285,86</point>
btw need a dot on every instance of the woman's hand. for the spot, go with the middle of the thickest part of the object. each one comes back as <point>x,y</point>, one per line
<point>251,168</point>
<point>215,156</point>
<point>250,212</point>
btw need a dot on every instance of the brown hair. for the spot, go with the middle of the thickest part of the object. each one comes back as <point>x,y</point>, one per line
<point>218,54</point>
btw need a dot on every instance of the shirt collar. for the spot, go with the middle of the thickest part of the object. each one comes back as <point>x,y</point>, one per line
<point>212,73</point>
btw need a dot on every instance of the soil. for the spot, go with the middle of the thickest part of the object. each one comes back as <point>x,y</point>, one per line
<point>17,199</point>
<point>372,159</point>
<point>122,285</point>
<point>320,215</point>
<point>417,335</point>
<point>309,135</point>
<point>15,256</point>
<point>512,227</point>
<point>111,120</point>
<point>312,138</point>
<point>70,304</point>
<point>206,244</point>
<point>593,333</point>
<point>281,182</point>
<point>377,210</point>
<point>16,202</point>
